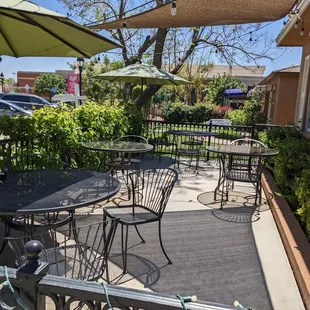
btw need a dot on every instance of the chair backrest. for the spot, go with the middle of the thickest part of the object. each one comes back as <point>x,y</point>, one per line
<point>250,142</point>
<point>220,122</point>
<point>132,138</point>
<point>77,253</point>
<point>33,161</point>
<point>152,188</point>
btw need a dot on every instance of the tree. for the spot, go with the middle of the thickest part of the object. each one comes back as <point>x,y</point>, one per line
<point>44,84</point>
<point>9,80</point>
<point>100,90</point>
<point>173,47</point>
<point>216,87</point>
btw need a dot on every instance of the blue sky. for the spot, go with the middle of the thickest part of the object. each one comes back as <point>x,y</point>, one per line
<point>10,64</point>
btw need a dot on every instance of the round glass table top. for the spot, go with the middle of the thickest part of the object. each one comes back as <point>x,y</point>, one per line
<point>192,133</point>
<point>242,150</point>
<point>119,146</point>
<point>52,190</point>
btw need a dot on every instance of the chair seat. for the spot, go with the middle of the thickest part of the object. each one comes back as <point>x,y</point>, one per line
<point>188,151</point>
<point>126,160</point>
<point>126,216</point>
<point>192,143</point>
<point>242,176</point>
<point>165,143</point>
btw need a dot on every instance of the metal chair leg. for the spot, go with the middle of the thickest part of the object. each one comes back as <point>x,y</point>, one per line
<point>124,248</point>
<point>222,195</point>
<point>138,232</point>
<point>161,243</point>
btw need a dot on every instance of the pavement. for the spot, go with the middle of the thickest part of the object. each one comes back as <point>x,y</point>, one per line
<point>194,192</point>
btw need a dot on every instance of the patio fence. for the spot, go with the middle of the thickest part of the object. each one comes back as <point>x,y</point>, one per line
<point>156,130</point>
<point>152,129</point>
<point>37,290</point>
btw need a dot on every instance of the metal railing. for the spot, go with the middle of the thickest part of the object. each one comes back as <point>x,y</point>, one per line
<point>37,290</point>
<point>156,130</point>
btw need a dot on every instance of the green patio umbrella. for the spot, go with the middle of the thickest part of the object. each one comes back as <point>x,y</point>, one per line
<point>27,29</point>
<point>142,74</point>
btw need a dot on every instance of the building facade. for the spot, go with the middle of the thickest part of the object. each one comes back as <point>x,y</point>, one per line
<point>278,92</point>
<point>28,78</point>
<point>296,33</point>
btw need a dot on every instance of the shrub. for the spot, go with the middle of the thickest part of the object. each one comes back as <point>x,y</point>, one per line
<point>302,191</point>
<point>134,117</point>
<point>181,113</point>
<point>175,112</point>
<point>60,131</point>
<point>246,115</point>
<point>200,113</point>
<point>100,122</point>
<point>220,112</point>
<point>292,168</point>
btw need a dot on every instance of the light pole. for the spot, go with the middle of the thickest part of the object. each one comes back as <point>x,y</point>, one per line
<point>80,62</point>
<point>2,80</point>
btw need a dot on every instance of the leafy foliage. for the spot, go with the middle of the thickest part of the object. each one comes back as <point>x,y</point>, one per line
<point>100,90</point>
<point>291,168</point>
<point>60,131</point>
<point>45,82</point>
<point>218,85</point>
<point>246,115</point>
<point>165,94</point>
<point>180,113</point>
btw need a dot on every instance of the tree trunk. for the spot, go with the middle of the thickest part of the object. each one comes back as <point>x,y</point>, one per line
<point>146,95</point>
<point>157,61</point>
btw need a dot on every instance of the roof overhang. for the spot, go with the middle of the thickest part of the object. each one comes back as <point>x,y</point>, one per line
<point>290,36</point>
<point>262,89</point>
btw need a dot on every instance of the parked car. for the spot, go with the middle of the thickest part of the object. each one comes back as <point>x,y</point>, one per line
<point>9,108</point>
<point>26,101</point>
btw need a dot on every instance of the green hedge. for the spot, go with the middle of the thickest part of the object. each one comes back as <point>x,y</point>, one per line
<point>249,112</point>
<point>180,113</point>
<point>60,131</point>
<point>291,169</point>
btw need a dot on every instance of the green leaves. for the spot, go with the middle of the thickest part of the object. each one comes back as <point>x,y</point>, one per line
<point>217,86</point>
<point>292,169</point>
<point>60,131</point>
<point>45,82</point>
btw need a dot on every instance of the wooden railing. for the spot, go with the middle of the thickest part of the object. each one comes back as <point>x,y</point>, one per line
<point>35,290</point>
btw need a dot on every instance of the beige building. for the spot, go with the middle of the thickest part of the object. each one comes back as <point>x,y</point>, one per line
<point>296,33</point>
<point>249,75</point>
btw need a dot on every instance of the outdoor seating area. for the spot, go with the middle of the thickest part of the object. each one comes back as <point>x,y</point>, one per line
<point>146,172</point>
<point>153,227</point>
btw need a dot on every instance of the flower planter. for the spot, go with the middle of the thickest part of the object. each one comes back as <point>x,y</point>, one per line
<point>295,242</point>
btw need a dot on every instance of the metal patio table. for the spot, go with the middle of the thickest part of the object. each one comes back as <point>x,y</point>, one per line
<point>35,192</point>
<point>192,133</point>
<point>246,151</point>
<point>193,144</point>
<point>121,147</point>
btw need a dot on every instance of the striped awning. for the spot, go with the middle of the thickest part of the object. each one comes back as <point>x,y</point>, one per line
<point>193,13</point>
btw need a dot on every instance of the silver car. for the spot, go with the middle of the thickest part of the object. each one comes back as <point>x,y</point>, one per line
<point>8,108</point>
<point>26,101</point>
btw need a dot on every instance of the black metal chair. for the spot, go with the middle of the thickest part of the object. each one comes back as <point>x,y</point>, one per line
<point>78,253</point>
<point>151,191</point>
<point>163,142</point>
<point>131,160</point>
<point>190,149</point>
<point>120,163</point>
<point>248,169</point>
